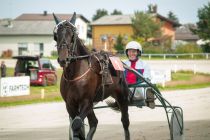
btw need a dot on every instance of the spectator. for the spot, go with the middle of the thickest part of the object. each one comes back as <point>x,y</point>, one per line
<point>3,69</point>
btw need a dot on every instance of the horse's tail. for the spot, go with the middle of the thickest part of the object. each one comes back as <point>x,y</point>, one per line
<point>113,105</point>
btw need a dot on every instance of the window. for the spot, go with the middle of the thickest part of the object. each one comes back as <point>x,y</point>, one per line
<point>22,48</point>
<point>46,64</point>
<point>39,48</point>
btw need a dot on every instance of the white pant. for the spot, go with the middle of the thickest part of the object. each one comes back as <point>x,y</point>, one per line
<point>139,93</point>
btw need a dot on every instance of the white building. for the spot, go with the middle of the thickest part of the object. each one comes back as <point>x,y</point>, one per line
<point>33,33</point>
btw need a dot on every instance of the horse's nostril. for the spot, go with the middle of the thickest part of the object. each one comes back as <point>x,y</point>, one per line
<point>63,62</point>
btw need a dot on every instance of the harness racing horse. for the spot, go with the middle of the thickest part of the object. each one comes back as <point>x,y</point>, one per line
<point>81,81</point>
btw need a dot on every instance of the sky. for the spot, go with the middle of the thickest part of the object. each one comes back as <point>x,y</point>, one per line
<point>185,10</point>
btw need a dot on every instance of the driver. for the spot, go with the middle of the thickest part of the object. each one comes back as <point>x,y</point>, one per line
<point>133,52</point>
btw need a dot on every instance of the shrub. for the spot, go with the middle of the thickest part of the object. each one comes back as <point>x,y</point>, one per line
<point>188,48</point>
<point>7,54</point>
<point>206,48</point>
<point>119,45</point>
<point>54,53</point>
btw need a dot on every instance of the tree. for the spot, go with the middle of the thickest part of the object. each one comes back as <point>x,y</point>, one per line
<point>119,44</point>
<point>203,26</point>
<point>144,26</point>
<point>173,17</point>
<point>99,13</point>
<point>116,12</point>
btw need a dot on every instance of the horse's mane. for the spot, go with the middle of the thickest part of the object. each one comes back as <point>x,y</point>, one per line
<point>81,47</point>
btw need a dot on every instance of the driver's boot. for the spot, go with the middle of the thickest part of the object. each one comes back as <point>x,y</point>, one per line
<point>150,98</point>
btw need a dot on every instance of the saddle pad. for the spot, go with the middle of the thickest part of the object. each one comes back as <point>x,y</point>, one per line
<point>116,62</point>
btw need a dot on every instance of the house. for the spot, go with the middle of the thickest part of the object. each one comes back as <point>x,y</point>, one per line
<point>33,33</point>
<point>183,34</point>
<point>107,28</point>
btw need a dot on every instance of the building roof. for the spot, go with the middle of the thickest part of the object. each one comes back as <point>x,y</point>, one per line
<point>32,24</point>
<point>14,27</point>
<point>175,24</point>
<point>47,17</point>
<point>113,20</point>
<point>184,33</point>
<point>125,19</point>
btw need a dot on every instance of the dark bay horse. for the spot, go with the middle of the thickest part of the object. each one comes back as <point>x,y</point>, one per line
<point>81,81</point>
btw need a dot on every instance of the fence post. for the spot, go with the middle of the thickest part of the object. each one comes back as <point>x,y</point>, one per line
<point>149,56</point>
<point>175,69</point>
<point>207,56</point>
<point>194,68</point>
<point>164,56</point>
<point>163,84</point>
<point>42,93</point>
<point>192,56</point>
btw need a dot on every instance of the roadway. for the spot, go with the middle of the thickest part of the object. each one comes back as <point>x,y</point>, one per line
<point>49,121</point>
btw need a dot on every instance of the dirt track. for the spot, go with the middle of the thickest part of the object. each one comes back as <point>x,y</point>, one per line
<point>50,121</point>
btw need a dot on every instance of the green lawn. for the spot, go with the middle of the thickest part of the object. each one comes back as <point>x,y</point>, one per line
<point>182,75</point>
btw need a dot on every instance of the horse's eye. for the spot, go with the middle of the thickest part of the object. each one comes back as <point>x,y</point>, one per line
<point>60,26</point>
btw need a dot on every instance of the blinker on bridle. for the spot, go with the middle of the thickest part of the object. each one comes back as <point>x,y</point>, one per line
<point>72,55</point>
<point>63,43</point>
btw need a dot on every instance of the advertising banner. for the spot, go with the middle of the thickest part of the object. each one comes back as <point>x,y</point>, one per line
<point>14,86</point>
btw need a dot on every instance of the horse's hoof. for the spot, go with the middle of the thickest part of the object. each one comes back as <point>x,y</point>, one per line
<point>77,123</point>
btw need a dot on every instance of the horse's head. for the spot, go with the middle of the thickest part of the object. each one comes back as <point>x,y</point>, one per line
<point>65,35</point>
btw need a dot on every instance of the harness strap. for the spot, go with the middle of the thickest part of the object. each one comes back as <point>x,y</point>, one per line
<point>77,78</point>
<point>103,75</point>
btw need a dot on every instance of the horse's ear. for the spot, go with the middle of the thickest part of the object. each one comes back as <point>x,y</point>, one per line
<point>57,20</point>
<point>73,19</point>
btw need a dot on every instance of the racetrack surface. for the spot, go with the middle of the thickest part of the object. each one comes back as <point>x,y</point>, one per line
<point>50,121</point>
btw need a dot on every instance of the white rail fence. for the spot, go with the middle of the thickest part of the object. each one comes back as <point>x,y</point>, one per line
<point>185,55</point>
<point>174,56</point>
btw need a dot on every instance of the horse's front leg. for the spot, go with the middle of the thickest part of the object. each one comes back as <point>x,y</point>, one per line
<point>82,130</point>
<point>78,121</point>
<point>76,127</point>
<point>93,122</point>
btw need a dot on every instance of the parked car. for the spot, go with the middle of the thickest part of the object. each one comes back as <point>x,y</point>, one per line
<point>40,70</point>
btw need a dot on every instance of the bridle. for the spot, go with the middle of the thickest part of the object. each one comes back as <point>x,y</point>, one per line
<point>72,47</point>
<point>63,43</point>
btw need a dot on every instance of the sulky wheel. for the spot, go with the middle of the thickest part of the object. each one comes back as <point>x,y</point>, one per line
<point>177,125</point>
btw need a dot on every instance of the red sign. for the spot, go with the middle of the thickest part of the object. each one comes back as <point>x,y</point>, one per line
<point>116,62</point>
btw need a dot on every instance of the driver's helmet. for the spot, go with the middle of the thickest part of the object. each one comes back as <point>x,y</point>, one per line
<point>133,45</point>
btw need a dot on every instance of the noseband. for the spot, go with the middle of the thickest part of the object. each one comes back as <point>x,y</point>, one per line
<point>63,43</point>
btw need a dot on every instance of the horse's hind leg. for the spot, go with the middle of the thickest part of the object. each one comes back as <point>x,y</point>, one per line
<point>125,120</point>
<point>70,130</point>
<point>123,105</point>
<point>93,122</point>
